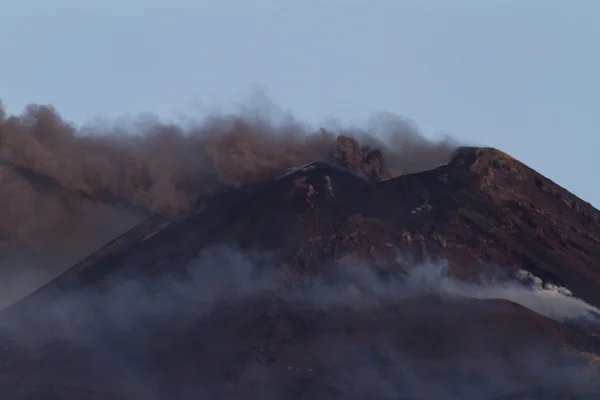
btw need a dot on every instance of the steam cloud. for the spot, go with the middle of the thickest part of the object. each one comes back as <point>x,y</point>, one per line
<point>229,295</point>
<point>358,284</point>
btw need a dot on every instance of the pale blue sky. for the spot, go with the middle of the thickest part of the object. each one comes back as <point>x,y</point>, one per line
<point>520,75</point>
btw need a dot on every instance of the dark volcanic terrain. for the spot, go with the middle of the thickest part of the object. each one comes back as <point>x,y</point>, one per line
<point>478,279</point>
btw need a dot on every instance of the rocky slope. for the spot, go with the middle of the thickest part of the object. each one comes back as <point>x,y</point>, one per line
<point>311,285</point>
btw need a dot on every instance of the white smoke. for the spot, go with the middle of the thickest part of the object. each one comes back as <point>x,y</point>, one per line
<point>356,283</point>
<point>527,290</point>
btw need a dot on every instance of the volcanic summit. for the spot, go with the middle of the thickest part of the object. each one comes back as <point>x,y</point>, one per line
<point>339,278</point>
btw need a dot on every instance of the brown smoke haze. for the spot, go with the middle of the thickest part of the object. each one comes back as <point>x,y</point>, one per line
<point>63,187</point>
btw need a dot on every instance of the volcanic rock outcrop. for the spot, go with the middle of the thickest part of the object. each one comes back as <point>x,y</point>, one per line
<point>365,161</point>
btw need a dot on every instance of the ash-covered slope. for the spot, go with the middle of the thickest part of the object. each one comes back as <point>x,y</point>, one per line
<point>327,287</point>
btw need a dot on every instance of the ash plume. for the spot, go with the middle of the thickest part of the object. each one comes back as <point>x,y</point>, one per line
<point>57,179</point>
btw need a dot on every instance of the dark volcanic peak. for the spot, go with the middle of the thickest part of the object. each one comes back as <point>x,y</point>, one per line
<point>313,266</point>
<point>487,208</point>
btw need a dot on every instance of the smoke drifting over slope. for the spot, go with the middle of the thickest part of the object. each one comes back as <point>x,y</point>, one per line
<point>56,179</point>
<point>551,301</point>
<point>323,330</point>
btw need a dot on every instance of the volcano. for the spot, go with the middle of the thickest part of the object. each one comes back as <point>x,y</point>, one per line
<point>478,279</point>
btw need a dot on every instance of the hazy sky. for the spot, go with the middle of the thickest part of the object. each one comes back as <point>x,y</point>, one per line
<point>523,76</point>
